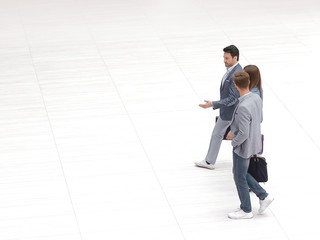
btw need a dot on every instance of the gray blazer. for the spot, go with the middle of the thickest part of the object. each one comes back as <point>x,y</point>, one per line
<point>245,126</point>
<point>228,96</point>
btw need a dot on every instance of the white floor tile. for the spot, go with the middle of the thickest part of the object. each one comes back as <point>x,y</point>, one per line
<point>100,125</point>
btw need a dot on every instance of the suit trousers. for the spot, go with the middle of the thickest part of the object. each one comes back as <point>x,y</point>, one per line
<point>216,138</point>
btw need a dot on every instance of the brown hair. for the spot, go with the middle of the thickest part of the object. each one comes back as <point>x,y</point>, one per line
<point>242,79</point>
<point>255,78</point>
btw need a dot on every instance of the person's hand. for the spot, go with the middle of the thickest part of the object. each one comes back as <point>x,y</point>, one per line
<point>207,104</point>
<point>229,136</point>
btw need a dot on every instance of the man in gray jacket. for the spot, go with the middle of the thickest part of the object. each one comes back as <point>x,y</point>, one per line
<point>246,141</point>
<point>227,103</point>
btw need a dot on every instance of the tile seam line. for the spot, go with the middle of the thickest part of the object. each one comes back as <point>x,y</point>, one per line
<point>294,117</point>
<point>174,59</point>
<point>51,128</point>
<point>277,220</point>
<point>135,129</point>
<point>141,143</point>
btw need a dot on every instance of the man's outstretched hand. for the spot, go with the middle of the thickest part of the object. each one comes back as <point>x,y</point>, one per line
<point>207,104</point>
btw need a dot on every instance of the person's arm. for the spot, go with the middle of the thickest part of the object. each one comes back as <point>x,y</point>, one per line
<point>230,100</point>
<point>244,118</point>
<point>229,136</point>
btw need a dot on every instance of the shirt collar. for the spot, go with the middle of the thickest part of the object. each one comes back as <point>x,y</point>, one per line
<point>244,96</point>
<point>229,69</point>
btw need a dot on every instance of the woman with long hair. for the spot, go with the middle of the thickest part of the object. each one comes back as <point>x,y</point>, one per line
<point>255,85</point>
<point>255,79</point>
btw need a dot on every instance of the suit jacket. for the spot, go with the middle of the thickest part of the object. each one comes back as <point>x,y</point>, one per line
<point>245,126</point>
<point>228,96</point>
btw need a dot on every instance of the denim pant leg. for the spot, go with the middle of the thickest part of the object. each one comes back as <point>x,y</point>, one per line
<point>240,170</point>
<point>216,139</point>
<point>256,188</point>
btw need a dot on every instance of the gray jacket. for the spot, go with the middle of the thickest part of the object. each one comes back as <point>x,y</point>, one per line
<point>245,126</point>
<point>228,96</point>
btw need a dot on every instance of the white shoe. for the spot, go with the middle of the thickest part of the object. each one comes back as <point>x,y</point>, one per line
<point>204,164</point>
<point>240,214</point>
<point>265,203</point>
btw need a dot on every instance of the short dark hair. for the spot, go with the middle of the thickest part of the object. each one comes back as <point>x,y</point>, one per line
<point>233,50</point>
<point>242,79</point>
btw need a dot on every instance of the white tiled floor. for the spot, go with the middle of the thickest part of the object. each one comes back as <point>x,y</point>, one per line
<point>100,124</point>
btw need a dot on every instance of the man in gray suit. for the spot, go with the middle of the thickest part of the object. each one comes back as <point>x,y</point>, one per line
<point>246,141</point>
<point>227,103</point>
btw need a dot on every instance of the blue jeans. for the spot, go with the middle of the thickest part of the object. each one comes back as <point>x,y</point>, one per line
<point>243,181</point>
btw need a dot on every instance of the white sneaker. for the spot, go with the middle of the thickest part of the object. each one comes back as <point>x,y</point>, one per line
<point>240,214</point>
<point>265,203</point>
<point>204,164</point>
